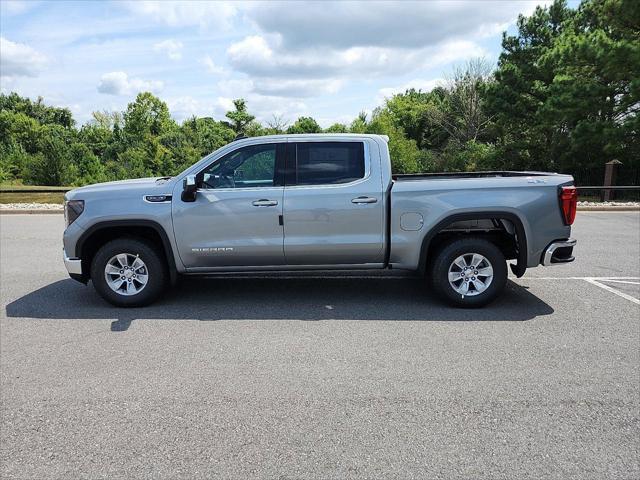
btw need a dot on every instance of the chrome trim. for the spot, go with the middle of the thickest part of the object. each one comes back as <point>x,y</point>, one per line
<point>214,156</point>
<point>549,251</point>
<point>264,203</point>
<point>73,265</point>
<point>367,165</point>
<point>168,199</point>
<point>283,268</point>
<point>364,199</point>
<point>277,188</point>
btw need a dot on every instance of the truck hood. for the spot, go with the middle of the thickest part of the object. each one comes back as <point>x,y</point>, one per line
<point>144,185</point>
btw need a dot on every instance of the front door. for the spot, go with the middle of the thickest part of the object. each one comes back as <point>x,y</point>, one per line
<point>333,205</point>
<point>235,220</point>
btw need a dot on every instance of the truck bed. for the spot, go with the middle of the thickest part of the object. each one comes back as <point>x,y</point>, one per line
<point>526,198</point>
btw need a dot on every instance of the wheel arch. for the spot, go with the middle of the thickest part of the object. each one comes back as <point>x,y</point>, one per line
<point>100,233</point>
<point>520,240</point>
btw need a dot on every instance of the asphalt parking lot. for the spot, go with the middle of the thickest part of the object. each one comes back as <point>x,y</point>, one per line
<point>312,377</point>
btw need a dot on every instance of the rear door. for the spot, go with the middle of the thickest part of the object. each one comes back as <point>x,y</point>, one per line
<point>333,205</point>
<point>235,219</point>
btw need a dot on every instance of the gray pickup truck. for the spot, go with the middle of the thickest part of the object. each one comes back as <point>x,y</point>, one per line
<point>316,202</point>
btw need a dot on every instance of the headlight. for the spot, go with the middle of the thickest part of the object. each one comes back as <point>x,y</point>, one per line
<point>72,210</point>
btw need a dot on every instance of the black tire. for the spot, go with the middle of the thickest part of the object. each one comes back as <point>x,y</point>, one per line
<point>465,246</point>
<point>156,270</point>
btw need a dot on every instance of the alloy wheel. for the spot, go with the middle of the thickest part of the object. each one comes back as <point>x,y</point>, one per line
<point>126,274</point>
<point>470,274</point>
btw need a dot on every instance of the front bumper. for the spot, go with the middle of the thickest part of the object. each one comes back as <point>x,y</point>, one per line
<point>73,265</point>
<point>559,252</point>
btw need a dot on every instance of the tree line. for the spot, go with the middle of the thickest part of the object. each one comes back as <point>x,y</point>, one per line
<point>564,96</point>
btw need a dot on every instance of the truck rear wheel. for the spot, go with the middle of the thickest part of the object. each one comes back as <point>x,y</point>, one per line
<point>128,272</point>
<point>469,272</point>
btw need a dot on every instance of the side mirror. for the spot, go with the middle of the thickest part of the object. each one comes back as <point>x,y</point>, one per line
<point>189,189</point>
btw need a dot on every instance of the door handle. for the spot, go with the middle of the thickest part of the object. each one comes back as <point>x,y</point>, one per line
<point>263,202</point>
<point>364,200</point>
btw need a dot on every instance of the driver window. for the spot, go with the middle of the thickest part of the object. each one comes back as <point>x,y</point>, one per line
<point>247,167</point>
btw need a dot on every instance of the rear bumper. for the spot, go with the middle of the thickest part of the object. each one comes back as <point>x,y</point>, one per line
<point>73,265</point>
<point>559,252</point>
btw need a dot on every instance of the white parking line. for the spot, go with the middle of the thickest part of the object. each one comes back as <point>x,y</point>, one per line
<point>584,278</point>
<point>623,281</point>
<point>613,290</point>
<point>597,282</point>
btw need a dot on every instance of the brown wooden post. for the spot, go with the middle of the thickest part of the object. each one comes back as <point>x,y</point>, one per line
<point>610,173</point>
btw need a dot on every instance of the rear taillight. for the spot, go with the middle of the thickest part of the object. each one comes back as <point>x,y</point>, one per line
<point>568,203</point>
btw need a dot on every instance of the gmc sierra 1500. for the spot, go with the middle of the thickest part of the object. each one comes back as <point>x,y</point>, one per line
<point>310,202</point>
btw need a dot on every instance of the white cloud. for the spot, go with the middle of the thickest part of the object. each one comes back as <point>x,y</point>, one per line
<point>325,59</point>
<point>173,48</point>
<point>234,87</point>
<point>417,84</point>
<point>185,13</point>
<point>20,60</point>
<point>390,24</point>
<point>211,66</point>
<point>258,56</point>
<point>224,104</point>
<point>279,87</point>
<point>184,107</point>
<point>119,83</point>
<point>264,107</point>
<point>315,50</point>
<point>187,106</point>
<point>8,85</point>
<point>16,7</point>
<point>296,88</point>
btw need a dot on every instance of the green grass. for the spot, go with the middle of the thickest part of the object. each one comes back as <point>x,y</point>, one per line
<point>19,186</point>
<point>34,197</point>
<point>30,194</point>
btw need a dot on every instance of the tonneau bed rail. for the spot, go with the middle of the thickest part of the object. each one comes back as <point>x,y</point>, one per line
<point>497,173</point>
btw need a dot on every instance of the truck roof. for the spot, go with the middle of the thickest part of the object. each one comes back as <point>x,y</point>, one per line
<point>286,136</point>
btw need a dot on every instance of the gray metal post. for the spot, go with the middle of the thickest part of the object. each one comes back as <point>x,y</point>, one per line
<point>610,173</point>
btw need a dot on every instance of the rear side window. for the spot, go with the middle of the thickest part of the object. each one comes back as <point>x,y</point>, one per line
<point>322,163</point>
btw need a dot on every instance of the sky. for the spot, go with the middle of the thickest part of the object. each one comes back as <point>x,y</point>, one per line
<point>288,59</point>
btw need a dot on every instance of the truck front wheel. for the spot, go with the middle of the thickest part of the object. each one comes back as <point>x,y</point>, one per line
<point>469,272</point>
<point>128,272</point>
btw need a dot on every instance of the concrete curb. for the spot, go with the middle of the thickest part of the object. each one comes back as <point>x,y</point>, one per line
<point>610,208</point>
